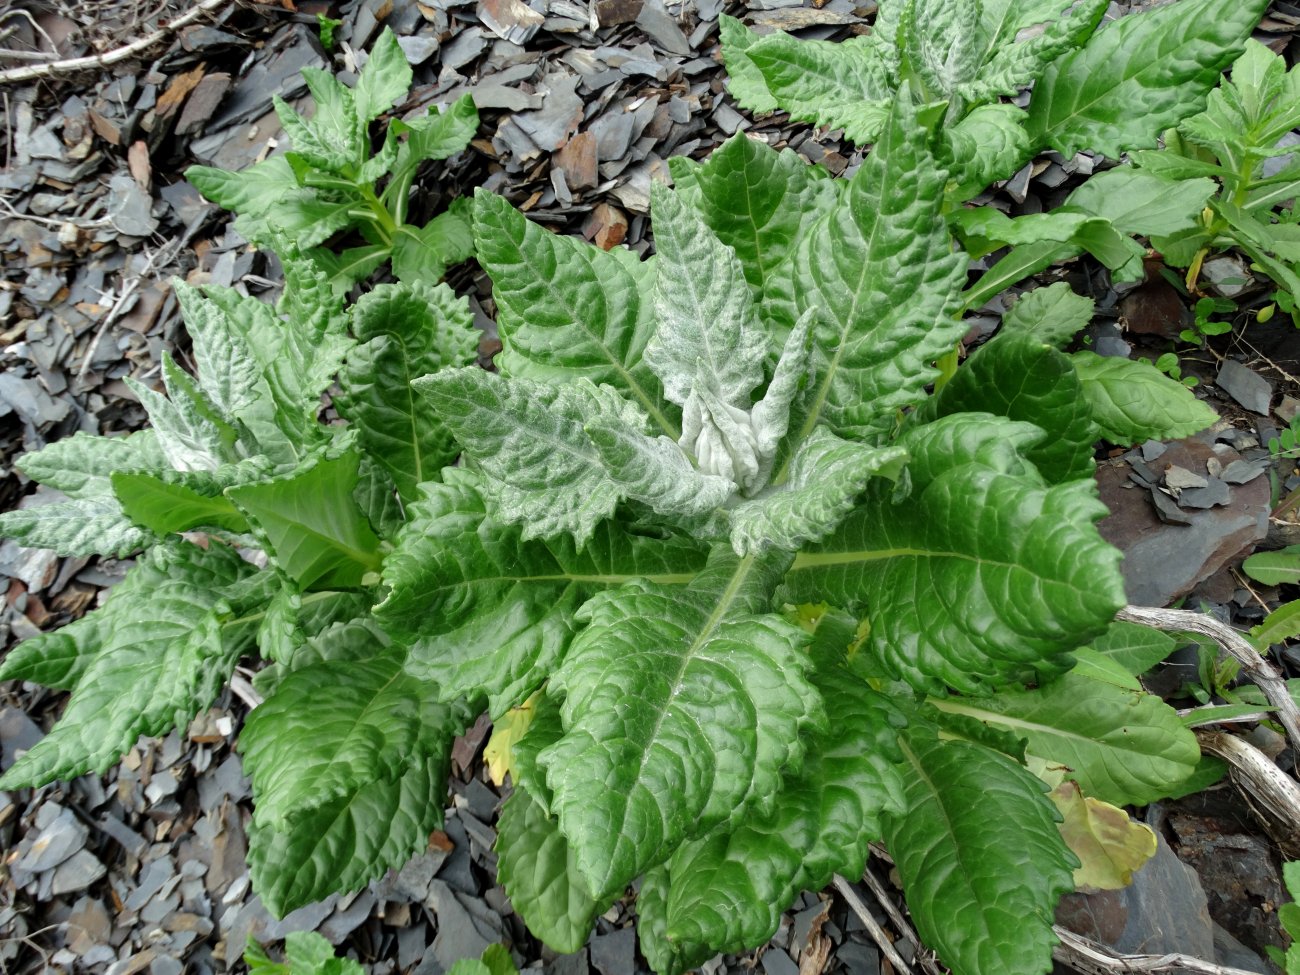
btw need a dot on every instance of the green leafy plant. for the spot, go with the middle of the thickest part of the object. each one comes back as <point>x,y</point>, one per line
<point>1111,89</point>
<point>327,26</point>
<point>329,183</point>
<point>349,754</point>
<point>1169,365</point>
<point>1230,143</point>
<point>858,610</point>
<point>1203,327</point>
<point>1289,916</point>
<point>748,591</point>
<point>1287,443</point>
<point>305,953</point>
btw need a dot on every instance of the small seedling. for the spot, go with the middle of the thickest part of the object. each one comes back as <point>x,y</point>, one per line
<point>1168,364</point>
<point>332,183</point>
<point>1205,326</point>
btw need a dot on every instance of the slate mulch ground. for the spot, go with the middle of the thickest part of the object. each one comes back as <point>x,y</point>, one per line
<point>582,101</point>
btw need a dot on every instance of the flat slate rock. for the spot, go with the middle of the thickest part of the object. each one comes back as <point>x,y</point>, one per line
<point>614,953</point>
<point>1246,386</point>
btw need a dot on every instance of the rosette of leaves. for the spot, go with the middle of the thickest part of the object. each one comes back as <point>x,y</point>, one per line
<point>348,754</point>
<point>1109,88</point>
<point>330,181</point>
<point>892,622</point>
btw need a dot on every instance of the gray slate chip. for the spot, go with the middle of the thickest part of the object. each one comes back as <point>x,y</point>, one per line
<point>466,925</point>
<point>614,953</point>
<point>29,400</point>
<point>76,873</point>
<point>575,964</point>
<point>661,27</point>
<point>456,870</point>
<point>1180,478</point>
<point>858,959</point>
<point>56,843</point>
<point>152,878</point>
<point>1216,492</point>
<point>777,962</point>
<point>1168,510</point>
<point>1247,387</point>
<point>560,114</point>
<point>1242,471</point>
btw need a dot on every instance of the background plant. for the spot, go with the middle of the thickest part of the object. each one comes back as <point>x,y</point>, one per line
<point>1111,89</point>
<point>329,183</point>
<point>236,462</point>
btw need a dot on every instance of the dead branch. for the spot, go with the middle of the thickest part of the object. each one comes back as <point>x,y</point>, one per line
<point>52,69</point>
<point>877,933</point>
<point>1271,794</point>
<point>1253,663</point>
<point>1088,956</point>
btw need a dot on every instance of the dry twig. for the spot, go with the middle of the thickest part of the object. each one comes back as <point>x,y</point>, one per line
<point>877,933</point>
<point>1272,795</point>
<point>1088,956</point>
<point>52,69</point>
<point>1260,670</point>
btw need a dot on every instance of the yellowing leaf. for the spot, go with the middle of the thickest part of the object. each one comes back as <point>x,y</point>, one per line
<point>509,729</point>
<point>1110,846</point>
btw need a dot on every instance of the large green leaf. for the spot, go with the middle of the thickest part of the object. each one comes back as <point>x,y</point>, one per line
<point>329,727</point>
<point>384,79</point>
<point>984,574</point>
<point>162,657</point>
<point>83,526</point>
<point>657,472</point>
<point>941,42</point>
<point>744,80</point>
<point>492,612</point>
<point>535,865</point>
<point>727,890</point>
<point>191,433</point>
<point>405,331</point>
<point>1019,377</point>
<point>981,859</point>
<point>567,310</point>
<point>176,502</point>
<point>544,473</point>
<point>1132,401</point>
<point>882,271</point>
<point>435,135</point>
<point>80,465</point>
<point>1135,648</point>
<point>707,331</point>
<point>1013,66</point>
<point>58,658</point>
<point>1122,746</point>
<point>1139,202</point>
<point>270,202</point>
<point>758,201</point>
<point>227,365</point>
<point>311,523</point>
<point>333,139</point>
<point>989,144</point>
<point>985,229</point>
<point>1053,315</point>
<point>343,844</point>
<point>1138,76</point>
<point>682,705</point>
<point>842,85</point>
